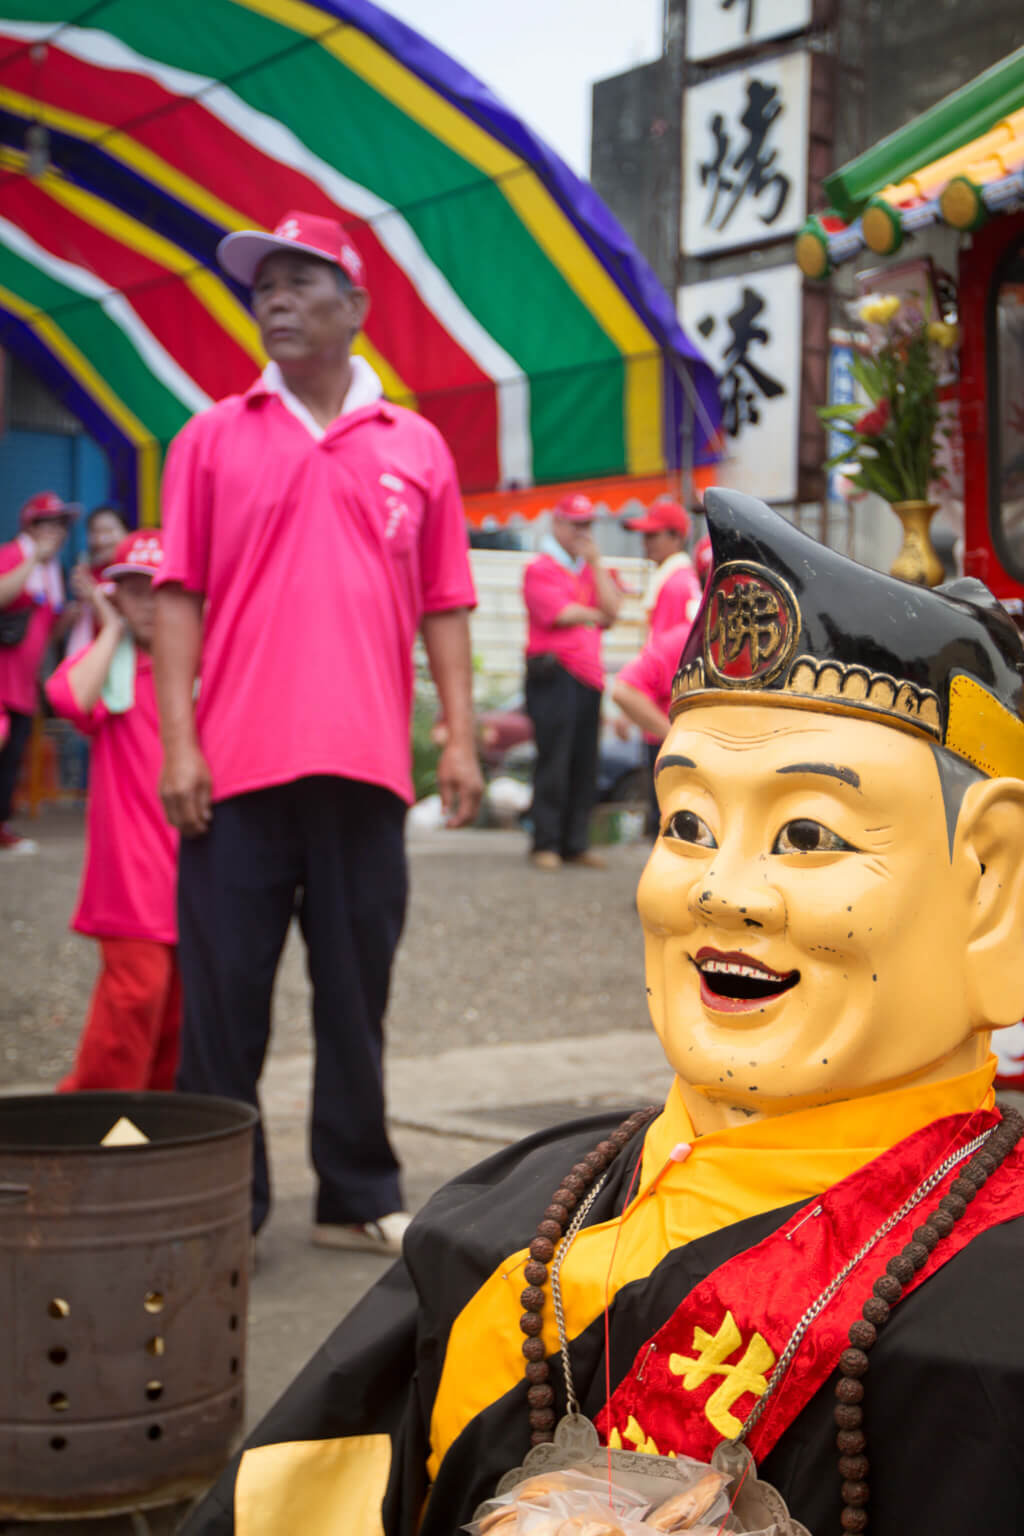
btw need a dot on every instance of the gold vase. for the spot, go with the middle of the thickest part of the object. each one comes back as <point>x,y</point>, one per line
<point>917,561</point>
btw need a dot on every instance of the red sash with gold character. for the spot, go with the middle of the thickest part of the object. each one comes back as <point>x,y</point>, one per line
<point>695,1382</point>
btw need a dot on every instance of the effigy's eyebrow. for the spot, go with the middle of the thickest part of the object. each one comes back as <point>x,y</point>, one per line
<point>832,770</point>
<point>674,760</point>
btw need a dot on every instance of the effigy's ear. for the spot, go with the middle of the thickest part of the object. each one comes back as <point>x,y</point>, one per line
<point>988,853</point>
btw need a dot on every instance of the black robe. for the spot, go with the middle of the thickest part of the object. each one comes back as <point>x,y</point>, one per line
<point>944,1408</point>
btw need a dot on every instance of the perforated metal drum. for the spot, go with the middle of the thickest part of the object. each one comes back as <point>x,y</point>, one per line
<point>123,1287</point>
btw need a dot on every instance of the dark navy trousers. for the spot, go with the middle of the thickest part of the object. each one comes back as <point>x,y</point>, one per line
<point>566,717</point>
<point>331,852</point>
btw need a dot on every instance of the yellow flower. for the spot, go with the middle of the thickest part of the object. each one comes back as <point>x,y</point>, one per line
<point>943,333</point>
<point>880,310</point>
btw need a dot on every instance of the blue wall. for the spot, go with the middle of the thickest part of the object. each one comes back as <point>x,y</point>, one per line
<point>75,467</point>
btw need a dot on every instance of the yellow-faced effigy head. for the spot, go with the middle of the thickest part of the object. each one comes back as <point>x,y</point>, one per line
<point>834,903</point>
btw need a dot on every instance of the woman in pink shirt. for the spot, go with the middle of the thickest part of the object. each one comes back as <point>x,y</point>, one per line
<point>127,897</point>
<point>31,600</point>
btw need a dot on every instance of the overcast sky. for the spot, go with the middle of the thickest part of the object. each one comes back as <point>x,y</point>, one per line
<point>542,56</point>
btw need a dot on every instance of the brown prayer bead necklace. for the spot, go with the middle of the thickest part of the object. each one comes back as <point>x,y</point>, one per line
<point>558,1224</point>
<point>550,1232</point>
<point>886,1292</point>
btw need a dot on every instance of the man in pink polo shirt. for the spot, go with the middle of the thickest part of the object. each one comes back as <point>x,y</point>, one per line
<point>570,598</point>
<point>126,901</point>
<point>673,595</point>
<point>31,603</point>
<point>643,688</point>
<point>311,530</point>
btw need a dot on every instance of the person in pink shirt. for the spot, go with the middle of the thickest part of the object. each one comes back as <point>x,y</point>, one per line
<point>674,593</point>
<point>105,529</point>
<point>311,531</point>
<point>570,599</point>
<point>643,688</point>
<point>126,901</point>
<point>31,603</point>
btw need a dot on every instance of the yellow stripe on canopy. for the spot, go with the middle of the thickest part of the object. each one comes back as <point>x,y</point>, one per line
<point>550,227</point>
<point>79,367</point>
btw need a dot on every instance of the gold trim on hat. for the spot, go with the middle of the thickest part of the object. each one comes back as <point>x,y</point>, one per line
<point>838,685</point>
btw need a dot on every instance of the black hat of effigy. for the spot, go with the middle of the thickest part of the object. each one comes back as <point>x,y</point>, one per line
<point>786,620</point>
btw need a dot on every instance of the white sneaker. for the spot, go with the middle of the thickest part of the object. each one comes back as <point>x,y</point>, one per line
<point>383,1236</point>
<point>13,842</point>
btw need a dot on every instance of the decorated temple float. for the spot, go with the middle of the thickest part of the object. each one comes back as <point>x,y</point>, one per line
<point>958,167</point>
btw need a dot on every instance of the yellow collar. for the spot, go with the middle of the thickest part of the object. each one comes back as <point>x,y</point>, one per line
<point>728,1176</point>
<point>802,1153</point>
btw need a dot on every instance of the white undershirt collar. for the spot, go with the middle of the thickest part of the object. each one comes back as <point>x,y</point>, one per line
<point>365,387</point>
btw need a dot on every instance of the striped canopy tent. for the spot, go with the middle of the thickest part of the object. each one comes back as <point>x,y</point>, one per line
<point>507,304</point>
<point>957,164</point>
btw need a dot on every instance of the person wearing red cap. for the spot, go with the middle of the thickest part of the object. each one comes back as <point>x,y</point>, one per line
<point>570,598</point>
<point>31,602</point>
<point>312,529</point>
<point>126,900</point>
<point>673,597</point>
<point>674,592</point>
<point>105,529</point>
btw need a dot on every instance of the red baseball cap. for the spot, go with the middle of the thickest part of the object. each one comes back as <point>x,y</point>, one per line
<point>241,252</point>
<point>576,508</point>
<point>661,516</point>
<point>48,504</point>
<point>140,554</point>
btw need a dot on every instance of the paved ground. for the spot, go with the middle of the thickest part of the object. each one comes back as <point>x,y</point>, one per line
<point>518,1000</point>
<point>471,969</point>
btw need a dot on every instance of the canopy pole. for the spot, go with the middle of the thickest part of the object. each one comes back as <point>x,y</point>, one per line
<point>693,411</point>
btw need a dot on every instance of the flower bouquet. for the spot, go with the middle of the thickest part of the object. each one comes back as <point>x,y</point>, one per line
<point>892,447</point>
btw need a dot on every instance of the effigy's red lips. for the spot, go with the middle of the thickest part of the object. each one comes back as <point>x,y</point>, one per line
<point>733,982</point>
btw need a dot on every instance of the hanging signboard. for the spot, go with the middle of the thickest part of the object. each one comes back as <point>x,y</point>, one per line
<point>714,27</point>
<point>745,155</point>
<point>750,332</point>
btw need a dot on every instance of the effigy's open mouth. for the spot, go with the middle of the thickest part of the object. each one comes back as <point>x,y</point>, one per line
<point>735,980</point>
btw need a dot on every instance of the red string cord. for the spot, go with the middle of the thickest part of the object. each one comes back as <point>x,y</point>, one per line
<point>735,1496</point>
<point>607,1305</point>
<point>679,1154</point>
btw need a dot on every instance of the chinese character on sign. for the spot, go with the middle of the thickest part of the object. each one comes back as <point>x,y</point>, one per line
<point>742,383</point>
<point>748,13</point>
<point>749,327</point>
<point>750,171</point>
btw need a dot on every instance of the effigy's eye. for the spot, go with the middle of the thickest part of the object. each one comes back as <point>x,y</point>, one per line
<point>806,836</point>
<point>687,827</point>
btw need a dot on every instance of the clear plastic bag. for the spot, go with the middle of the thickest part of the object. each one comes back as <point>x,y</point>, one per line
<point>576,1503</point>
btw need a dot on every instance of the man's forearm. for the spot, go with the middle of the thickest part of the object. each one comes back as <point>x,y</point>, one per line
<point>177,643</point>
<point>577,613</point>
<point>641,710</point>
<point>449,652</point>
<point>12,583</point>
<point>88,674</point>
<point>609,597</point>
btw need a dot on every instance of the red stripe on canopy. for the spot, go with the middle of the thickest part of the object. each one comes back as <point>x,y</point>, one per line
<point>451,389</point>
<point>165,304</point>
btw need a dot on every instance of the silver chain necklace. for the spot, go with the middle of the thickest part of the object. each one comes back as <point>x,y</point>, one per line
<point>814,1311</point>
